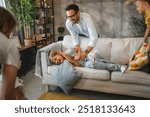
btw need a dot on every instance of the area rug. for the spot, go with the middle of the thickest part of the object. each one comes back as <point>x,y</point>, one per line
<point>60,96</point>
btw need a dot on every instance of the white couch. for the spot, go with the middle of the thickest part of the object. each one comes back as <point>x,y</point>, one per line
<point>134,83</point>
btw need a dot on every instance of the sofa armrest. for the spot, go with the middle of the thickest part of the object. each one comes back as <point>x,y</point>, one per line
<point>44,64</point>
<point>44,56</point>
<point>42,61</point>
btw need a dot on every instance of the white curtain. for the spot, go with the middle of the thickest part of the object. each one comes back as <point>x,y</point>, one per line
<point>2,3</point>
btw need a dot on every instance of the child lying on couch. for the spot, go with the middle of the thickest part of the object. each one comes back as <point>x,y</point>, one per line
<point>92,60</point>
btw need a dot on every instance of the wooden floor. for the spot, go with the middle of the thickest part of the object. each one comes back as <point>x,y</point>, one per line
<point>60,96</point>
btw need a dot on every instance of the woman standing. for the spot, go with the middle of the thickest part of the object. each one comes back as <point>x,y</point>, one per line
<point>9,56</point>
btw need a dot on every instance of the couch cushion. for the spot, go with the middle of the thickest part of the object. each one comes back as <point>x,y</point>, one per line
<point>135,44</point>
<point>67,42</point>
<point>103,46</point>
<point>135,77</point>
<point>95,74</point>
<point>123,49</point>
<point>66,76</point>
<point>51,68</point>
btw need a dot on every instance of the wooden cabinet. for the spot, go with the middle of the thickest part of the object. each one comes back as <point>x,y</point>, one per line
<point>27,57</point>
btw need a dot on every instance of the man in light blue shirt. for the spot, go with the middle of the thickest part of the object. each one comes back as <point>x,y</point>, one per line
<point>80,23</point>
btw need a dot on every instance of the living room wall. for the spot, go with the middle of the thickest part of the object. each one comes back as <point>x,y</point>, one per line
<point>113,17</point>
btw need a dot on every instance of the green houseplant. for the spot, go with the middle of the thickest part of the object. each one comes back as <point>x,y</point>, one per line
<point>24,10</point>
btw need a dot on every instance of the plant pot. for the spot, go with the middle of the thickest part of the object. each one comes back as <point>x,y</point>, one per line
<point>27,42</point>
<point>21,37</point>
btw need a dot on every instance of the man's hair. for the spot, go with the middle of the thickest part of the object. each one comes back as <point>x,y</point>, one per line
<point>7,19</point>
<point>72,7</point>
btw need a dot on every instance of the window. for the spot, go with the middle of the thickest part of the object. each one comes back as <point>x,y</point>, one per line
<point>2,3</point>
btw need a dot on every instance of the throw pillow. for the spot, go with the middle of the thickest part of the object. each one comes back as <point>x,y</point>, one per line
<point>66,76</point>
<point>139,59</point>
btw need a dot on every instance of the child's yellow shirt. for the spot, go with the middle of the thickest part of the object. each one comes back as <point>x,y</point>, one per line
<point>147,17</point>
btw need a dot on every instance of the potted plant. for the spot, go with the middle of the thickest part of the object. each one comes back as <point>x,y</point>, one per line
<point>60,30</point>
<point>24,10</point>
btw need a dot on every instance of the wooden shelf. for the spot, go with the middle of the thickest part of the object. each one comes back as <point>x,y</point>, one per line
<point>26,47</point>
<point>45,25</point>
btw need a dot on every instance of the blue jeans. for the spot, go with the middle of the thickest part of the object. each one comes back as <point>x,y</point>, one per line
<point>98,63</point>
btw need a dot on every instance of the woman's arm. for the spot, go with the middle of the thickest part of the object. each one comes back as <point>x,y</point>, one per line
<point>71,60</point>
<point>8,82</point>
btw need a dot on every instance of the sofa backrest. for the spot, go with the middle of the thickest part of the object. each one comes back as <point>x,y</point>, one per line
<point>122,50</point>
<point>118,50</point>
<point>67,42</point>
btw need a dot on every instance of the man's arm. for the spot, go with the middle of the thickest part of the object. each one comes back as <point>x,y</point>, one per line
<point>78,51</point>
<point>75,37</point>
<point>93,35</point>
<point>74,34</point>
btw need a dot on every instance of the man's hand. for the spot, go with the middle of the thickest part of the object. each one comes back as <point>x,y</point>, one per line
<point>78,51</point>
<point>77,48</point>
<point>83,55</point>
<point>77,57</point>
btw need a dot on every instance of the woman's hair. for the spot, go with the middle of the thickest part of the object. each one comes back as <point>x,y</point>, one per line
<point>7,20</point>
<point>72,7</point>
<point>51,54</point>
